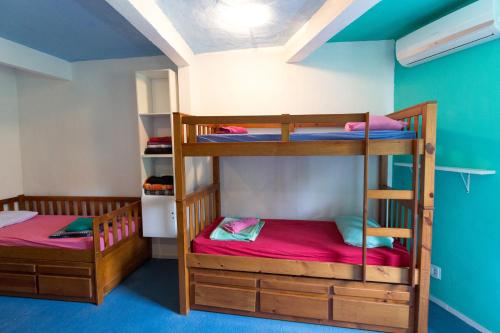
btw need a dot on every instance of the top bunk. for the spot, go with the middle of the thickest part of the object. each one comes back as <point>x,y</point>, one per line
<point>304,135</point>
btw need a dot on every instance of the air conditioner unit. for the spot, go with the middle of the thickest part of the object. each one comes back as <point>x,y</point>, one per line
<point>474,24</point>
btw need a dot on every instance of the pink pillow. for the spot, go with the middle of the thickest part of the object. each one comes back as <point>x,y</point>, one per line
<point>231,130</point>
<point>377,123</point>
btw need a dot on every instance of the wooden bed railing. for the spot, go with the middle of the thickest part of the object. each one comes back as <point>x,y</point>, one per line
<point>123,222</point>
<point>66,205</point>
<point>118,214</point>
<point>200,209</point>
<point>193,126</point>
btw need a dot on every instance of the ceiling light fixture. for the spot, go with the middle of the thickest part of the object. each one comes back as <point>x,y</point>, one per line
<point>241,15</point>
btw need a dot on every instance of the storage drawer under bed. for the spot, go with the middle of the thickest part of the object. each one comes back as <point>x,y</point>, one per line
<point>74,280</point>
<point>326,300</point>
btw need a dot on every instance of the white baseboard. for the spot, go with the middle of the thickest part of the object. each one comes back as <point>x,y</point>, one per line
<point>459,315</point>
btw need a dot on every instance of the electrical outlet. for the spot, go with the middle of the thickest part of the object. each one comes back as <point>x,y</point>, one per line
<point>436,272</point>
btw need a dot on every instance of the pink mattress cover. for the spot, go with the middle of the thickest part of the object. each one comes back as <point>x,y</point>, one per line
<point>35,232</point>
<point>300,240</point>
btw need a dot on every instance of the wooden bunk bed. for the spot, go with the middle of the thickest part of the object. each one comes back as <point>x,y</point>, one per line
<point>86,275</point>
<point>382,298</point>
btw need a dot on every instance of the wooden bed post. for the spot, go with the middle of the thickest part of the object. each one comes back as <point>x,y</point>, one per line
<point>180,195</point>
<point>216,181</point>
<point>426,215</point>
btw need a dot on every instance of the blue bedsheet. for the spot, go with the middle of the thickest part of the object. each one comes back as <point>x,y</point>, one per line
<point>355,135</point>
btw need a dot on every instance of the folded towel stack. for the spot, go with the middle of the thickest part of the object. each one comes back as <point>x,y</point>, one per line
<point>163,185</point>
<point>237,229</point>
<point>159,145</point>
<point>231,130</point>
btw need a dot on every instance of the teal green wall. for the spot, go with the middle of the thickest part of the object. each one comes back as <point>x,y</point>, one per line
<point>466,239</point>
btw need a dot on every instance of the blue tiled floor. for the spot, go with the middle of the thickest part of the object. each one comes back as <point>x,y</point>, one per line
<point>147,302</point>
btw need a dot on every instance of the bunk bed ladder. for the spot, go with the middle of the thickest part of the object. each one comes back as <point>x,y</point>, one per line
<point>397,230</point>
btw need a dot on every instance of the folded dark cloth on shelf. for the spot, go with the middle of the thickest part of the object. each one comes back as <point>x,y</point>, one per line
<point>159,192</point>
<point>160,139</point>
<point>153,151</point>
<point>162,180</point>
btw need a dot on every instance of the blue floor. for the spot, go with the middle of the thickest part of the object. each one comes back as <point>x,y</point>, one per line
<point>147,302</point>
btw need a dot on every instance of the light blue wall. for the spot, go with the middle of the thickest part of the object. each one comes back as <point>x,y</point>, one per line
<point>466,240</point>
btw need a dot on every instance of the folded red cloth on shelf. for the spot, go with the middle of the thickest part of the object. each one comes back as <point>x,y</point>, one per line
<point>231,130</point>
<point>235,227</point>
<point>157,187</point>
<point>160,139</point>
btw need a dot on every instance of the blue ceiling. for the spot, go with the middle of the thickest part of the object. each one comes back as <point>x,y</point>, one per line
<point>72,29</point>
<point>392,19</point>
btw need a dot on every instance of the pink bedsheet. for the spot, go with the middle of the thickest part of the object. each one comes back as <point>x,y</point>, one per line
<point>36,231</point>
<point>300,240</point>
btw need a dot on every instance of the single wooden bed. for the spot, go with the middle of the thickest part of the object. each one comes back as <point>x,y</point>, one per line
<point>382,298</point>
<point>85,275</point>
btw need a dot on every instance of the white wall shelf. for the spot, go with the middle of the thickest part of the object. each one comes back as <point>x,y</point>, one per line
<point>465,173</point>
<point>156,101</point>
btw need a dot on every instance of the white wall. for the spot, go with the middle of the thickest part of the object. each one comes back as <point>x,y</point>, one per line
<point>11,183</point>
<point>80,137</point>
<point>337,78</point>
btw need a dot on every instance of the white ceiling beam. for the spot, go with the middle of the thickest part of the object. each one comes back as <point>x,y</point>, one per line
<point>328,21</point>
<point>147,17</point>
<point>24,58</point>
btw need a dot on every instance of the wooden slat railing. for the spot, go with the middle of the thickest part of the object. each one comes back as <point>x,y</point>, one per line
<point>200,209</point>
<point>116,227</point>
<point>10,203</point>
<point>73,205</point>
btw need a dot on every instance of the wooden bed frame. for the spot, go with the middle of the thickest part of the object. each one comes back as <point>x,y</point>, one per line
<point>76,275</point>
<point>358,296</point>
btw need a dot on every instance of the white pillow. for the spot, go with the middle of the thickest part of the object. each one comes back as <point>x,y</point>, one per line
<point>15,216</point>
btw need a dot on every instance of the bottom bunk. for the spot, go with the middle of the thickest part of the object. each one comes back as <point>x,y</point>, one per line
<point>81,269</point>
<point>250,278</point>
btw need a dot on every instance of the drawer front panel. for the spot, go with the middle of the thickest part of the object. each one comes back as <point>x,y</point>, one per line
<point>225,280</point>
<point>367,312</point>
<point>372,293</point>
<point>65,270</point>
<point>315,307</point>
<point>225,297</point>
<point>18,283</point>
<point>65,286</point>
<point>294,286</point>
<point>17,268</point>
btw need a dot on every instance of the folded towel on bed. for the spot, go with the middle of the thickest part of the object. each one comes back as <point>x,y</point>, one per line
<point>80,224</point>
<point>246,235</point>
<point>231,130</point>
<point>236,226</point>
<point>62,233</point>
<point>377,123</point>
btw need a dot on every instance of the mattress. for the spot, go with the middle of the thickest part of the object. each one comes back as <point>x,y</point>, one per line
<point>300,240</point>
<point>35,232</point>
<point>327,136</point>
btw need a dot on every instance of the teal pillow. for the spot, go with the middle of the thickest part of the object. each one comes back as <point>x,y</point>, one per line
<point>351,228</point>
<point>80,224</point>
